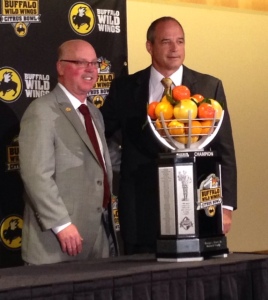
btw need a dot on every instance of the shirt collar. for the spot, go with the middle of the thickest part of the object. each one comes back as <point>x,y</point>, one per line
<point>156,77</point>
<point>75,102</point>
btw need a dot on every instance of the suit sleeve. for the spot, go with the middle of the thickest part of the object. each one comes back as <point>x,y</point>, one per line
<point>224,145</point>
<point>37,164</point>
<point>110,111</point>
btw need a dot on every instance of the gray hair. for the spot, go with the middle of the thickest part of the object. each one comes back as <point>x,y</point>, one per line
<point>151,30</point>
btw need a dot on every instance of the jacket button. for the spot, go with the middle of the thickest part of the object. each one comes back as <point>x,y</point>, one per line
<point>99,209</point>
<point>99,182</point>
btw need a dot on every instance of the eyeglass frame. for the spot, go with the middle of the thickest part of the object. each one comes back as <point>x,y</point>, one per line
<point>83,63</point>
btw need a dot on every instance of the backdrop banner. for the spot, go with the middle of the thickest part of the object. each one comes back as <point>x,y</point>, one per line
<point>31,32</point>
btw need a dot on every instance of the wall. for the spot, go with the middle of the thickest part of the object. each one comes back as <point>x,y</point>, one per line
<point>231,44</point>
<point>260,5</point>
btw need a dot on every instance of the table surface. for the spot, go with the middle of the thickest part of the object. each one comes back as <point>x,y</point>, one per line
<point>26,276</point>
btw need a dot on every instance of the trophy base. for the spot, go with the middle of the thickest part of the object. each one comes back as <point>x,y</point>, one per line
<point>191,249</point>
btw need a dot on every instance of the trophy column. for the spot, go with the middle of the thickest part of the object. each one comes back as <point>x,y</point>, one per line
<point>190,200</point>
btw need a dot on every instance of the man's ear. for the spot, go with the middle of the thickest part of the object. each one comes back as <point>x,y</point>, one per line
<point>59,68</point>
<point>149,47</point>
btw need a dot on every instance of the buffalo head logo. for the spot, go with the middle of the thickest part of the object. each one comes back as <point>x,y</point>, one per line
<point>7,85</point>
<point>11,231</point>
<point>82,18</point>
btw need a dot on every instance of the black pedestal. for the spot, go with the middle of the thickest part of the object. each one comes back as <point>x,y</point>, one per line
<point>190,200</point>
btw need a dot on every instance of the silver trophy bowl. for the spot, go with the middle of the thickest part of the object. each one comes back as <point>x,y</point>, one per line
<point>171,142</point>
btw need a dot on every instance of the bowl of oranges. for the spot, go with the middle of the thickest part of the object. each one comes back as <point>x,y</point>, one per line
<point>185,122</point>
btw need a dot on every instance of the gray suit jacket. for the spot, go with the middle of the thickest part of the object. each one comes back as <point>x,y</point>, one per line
<point>62,177</point>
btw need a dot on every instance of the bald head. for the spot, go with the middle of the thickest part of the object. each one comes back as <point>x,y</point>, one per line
<point>77,67</point>
<point>71,46</point>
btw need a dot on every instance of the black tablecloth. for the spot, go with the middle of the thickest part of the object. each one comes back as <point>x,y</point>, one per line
<point>240,276</point>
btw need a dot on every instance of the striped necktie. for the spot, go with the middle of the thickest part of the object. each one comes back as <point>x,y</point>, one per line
<point>167,82</point>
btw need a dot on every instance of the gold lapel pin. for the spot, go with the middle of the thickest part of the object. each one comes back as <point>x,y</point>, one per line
<point>68,109</point>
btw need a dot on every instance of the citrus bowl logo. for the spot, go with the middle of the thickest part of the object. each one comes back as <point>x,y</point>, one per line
<point>11,232</point>
<point>10,84</point>
<point>81,18</point>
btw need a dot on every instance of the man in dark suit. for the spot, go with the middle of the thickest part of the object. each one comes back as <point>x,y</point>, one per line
<point>126,108</point>
<point>65,216</point>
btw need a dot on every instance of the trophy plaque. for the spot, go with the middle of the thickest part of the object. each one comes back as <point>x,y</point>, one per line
<point>190,197</point>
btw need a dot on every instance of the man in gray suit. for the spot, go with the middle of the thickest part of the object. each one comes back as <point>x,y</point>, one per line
<point>125,108</point>
<point>65,217</point>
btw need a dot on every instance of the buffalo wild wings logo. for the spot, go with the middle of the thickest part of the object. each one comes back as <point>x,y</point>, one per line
<point>82,18</point>
<point>10,84</point>
<point>209,195</point>
<point>115,212</point>
<point>101,89</point>
<point>109,20</point>
<point>11,232</point>
<point>20,14</point>
<point>36,85</point>
<point>13,156</point>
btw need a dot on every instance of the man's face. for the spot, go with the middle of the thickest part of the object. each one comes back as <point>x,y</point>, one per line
<point>78,79</point>
<point>168,49</point>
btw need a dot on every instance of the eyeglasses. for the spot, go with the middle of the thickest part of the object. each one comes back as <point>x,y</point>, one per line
<point>84,63</point>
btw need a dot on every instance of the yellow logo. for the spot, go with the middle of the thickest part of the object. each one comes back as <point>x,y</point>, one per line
<point>21,29</point>
<point>10,84</point>
<point>209,195</point>
<point>98,101</point>
<point>82,18</point>
<point>13,163</point>
<point>101,88</point>
<point>11,232</point>
<point>20,14</point>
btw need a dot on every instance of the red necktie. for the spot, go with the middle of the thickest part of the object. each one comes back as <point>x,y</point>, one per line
<point>93,138</point>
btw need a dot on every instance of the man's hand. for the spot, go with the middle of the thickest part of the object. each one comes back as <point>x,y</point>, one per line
<point>70,240</point>
<point>227,220</point>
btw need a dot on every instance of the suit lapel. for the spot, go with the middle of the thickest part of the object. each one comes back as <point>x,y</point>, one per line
<point>142,92</point>
<point>68,110</point>
<point>188,78</point>
<point>99,126</point>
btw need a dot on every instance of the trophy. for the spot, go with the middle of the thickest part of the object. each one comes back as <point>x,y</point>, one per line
<point>190,190</point>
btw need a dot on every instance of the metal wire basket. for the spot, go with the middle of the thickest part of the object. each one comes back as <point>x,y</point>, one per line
<point>193,141</point>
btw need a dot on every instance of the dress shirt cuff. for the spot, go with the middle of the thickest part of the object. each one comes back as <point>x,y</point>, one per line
<point>57,229</point>
<point>228,207</point>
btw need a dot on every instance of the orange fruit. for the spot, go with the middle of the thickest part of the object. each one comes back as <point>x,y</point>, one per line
<point>206,111</point>
<point>195,128</point>
<point>165,108</point>
<point>159,127</point>
<point>206,126</point>
<point>216,105</point>
<point>184,139</point>
<point>151,109</point>
<point>181,92</point>
<point>164,99</point>
<point>198,97</point>
<point>181,110</point>
<point>175,128</point>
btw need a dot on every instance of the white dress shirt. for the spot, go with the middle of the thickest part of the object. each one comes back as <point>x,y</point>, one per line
<point>156,88</point>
